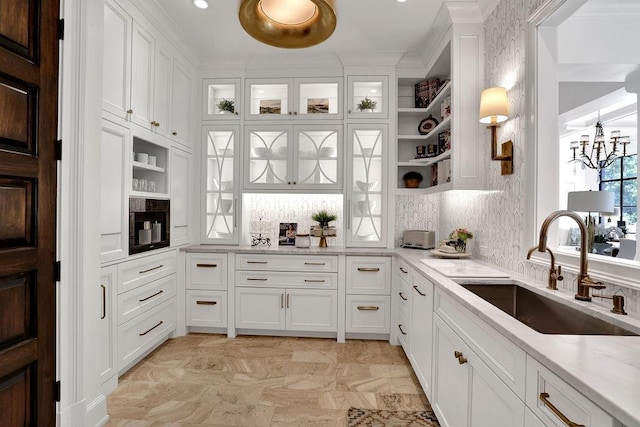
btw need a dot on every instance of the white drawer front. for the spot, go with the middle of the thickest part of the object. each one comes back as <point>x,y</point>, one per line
<point>368,314</point>
<point>143,298</point>
<point>287,262</point>
<point>369,275</point>
<point>206,308</point>
<point>132,274</point>
<point>506,359</point>
<point>142,333</point>
<point>403,271</point>
<point>405,292</point>
<point>567,400</point>
<point>403,329</point>
<point>285,279</point>
<point>207,271</point>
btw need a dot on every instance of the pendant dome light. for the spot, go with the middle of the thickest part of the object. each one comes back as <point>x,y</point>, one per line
<point>288,23</point>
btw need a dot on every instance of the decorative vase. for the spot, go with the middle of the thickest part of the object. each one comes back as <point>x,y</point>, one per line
<point>461,246</point>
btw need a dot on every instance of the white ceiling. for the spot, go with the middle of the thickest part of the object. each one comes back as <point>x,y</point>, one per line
<point>364,26</point>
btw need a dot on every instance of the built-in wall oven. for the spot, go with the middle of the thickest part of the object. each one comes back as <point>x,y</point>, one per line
<point>148,224</point>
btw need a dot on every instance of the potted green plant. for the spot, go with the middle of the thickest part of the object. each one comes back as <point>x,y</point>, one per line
<point>367,104</point>
<point>226,106</point>
<point>323,217</point>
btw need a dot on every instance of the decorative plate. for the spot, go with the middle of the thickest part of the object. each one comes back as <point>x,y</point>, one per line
<point>441,254</point>
<point>427,125</point>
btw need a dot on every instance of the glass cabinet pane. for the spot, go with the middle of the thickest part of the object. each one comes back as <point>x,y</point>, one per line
<point>221,99</point>
<point>268,100</point>
<point>220,190</point>
<point>318,99</point>
<point>268,158</point>
<point>367,96</point>
<point>318,157</point>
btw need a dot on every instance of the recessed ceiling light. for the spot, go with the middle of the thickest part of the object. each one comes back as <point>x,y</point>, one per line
<point>202,4</point>
<point>401,1</point>
<point>374,91</point>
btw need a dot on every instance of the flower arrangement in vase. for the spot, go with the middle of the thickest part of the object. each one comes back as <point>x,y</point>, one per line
<point>367,104</point>
<point>459,236</point>
<point>226,106</point>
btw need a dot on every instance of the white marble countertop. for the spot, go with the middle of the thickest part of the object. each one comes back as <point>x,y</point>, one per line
<point>289,250</point>
<point>605,369</point>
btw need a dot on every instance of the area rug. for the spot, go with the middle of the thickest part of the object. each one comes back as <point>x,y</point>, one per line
<point>357,417</point>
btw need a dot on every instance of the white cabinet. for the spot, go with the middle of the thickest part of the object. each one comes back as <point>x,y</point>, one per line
<point>107,357</point>
<point>368,289</point>
<point>403,295</point>
<point>206,290</point>
<point>150,166</point>
<point>300,98</point>
<point>368,97</point>
<point>366,185</point>
<point>300,157</point>
<point>221,99</point>
<point>116,66</point>
<point>422,330</point>
<point>180,196</point>
<point>142,64</point>
<point>113,202</point>
<point>221,192</point>
<point>162,90</point>
<point>181,106</point>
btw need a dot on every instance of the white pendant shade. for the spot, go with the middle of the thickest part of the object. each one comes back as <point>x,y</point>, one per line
<point>494,105</point>
<point>289,12</point>
<point>590,201</point>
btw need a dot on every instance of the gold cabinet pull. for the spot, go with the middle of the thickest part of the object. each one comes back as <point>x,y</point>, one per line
<point>313,281</point>
<point>287,304</point>
<point>401,330</point>
<point>402,296</point>
<point>206,265</point>
<point>403,270</point>
<point>149,330</point>
<point>461,359</point>
<point>151,296</point>
<point>129,111</point>
<point>368,308</point>
<point>256,280</point>
<point>281,300</point>
<point>174,133</point>
<point>418,291</point>
<point>368,269</point>
<point>545,399</point>
<point>256,262</point>
<point>314,263</point>
<point>199,302</point>
<point>104,302</point>
<point>151,269</point>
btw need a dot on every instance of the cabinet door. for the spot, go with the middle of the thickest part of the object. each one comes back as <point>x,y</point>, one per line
<point>142,62</point>
<point>267,160</point>
<point>318,157</point>
<point>217,93</point>
<point>181,106</point>
<point>116,64</point>
<point>108,355</point>
<point>268,99</point>
<point>368,97</point>
<point>180,196</point>
<point>366,192</point>
<point>221,152</point>
<point>260,308</point>
<point>318,99</point>
<point>422,330</point>
<point>311,310</point>
<point>113,201</point>
<point>162,91</point>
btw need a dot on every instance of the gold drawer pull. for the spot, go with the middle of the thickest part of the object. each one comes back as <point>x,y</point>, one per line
<point>256,280</point>
<point>368,307</point>
<point>151,269</point>
<point>418,291</point>
<point>402,296</point>
<point>151,296</point>
<point>207,265</point>
<point>104,302</point>
<point>403,270</point>
<point>199,302</point>
<point>401,330</point>
<point>149,330</point>
<point>461,359</point>
<point>545,399</point>
<point>314,263</point>
<point>257,262</point>
<point>313,281</point>
<point>368,269</point>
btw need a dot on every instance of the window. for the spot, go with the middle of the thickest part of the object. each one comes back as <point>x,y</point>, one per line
<point>621,178</point>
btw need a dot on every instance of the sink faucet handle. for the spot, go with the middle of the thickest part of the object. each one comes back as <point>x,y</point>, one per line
<point>589,282</point>
<point>560,276</point>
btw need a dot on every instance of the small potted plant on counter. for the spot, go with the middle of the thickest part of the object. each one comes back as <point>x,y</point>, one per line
<point>367,105</point>
<point>323,230</point>
<point>226,106</point>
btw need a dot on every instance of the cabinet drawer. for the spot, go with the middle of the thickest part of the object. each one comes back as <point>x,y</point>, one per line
<point>142,298</point>
<point>403,328</point>
<point>404,271</point>
<point>506,359</point>
<point>132,274</point>
<point>287,279</point>
<point>206,308</point>
<point>141,334</point>
<point>405,292</point>
<point>369,275</point>
<point>567,400</point>
<point>368,314</point>
<point>207,271</point>
<point>286,262</point>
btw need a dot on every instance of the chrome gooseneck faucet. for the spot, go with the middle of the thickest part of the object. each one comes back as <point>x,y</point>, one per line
<point>584,281</point>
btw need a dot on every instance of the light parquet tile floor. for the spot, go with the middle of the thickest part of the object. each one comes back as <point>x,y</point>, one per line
<point>205,380</point>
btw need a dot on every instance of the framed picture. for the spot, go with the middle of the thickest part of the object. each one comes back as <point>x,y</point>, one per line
<point>287,236</point>
<point>270,106</point>
<point>317,106</point>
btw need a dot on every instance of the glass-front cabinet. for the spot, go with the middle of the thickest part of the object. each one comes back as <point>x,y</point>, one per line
<point>368,97</point>
<point>300,157</point>
<point>300,98</point>
<point>221,99</point>
<point>366,192</point>
<point>222,201</point>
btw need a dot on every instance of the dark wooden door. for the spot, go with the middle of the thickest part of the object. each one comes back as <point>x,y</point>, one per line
<point>28,123</point>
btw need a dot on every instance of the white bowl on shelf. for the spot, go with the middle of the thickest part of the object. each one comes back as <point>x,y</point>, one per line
<point>225,152</point>
<point>327,152</point>
<point>224,205</point>
<point>367,186</point>
<point>367,152</point>
<point>226,185</point>
<point>259,152</point>
<point>366,207</point>
<point>280,152</point>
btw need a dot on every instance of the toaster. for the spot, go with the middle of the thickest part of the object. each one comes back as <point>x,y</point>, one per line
<point>419,239</point>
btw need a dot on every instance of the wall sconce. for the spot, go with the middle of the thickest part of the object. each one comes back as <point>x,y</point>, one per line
<point>494,109</point>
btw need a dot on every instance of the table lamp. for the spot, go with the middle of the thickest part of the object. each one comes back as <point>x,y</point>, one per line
<point>590,201</point>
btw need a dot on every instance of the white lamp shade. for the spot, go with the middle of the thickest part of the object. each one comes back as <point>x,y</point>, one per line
<point>494,105</point>
<point>590,201</point>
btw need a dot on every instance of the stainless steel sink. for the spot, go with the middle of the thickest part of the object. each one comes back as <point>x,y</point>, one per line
<point>541,313</point>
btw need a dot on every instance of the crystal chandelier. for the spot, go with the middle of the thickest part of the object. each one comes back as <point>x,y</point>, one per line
<point>598,156</point>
